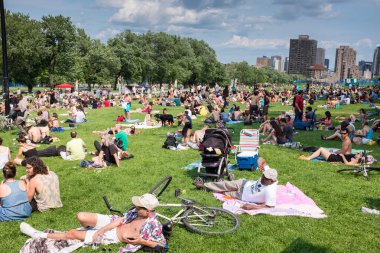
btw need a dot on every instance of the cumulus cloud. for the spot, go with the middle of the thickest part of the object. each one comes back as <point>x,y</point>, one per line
<point>244,42</point>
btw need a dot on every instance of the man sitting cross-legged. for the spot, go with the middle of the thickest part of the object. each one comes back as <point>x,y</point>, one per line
<point>139,227</point>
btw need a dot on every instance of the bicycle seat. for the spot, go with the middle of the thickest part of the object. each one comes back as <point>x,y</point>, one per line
<point>188,201</point>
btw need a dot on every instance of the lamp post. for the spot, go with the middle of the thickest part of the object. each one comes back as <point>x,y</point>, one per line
<point>5,60</point>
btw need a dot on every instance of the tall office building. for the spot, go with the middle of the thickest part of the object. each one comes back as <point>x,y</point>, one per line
<point>327,63</point>
<point>286,64</point>
<point>376,62</point>
<point>364,67</point>
<point>345,60</point>
<point>262,62</point>
<point>302,55</point>
<point>277,63</point>
<point>320,56</point>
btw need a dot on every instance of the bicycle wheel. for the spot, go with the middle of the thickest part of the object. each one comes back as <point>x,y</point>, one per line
<point>161,186</point>
<point>210,220</point>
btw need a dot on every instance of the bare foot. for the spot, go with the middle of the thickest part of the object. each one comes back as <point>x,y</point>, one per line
<point>302,157</point>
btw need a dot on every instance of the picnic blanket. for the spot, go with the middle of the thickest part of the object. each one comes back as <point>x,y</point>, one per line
<point>231,122</point>
<point>291,201</point>
<point>195,165</point>
<point>132,120</point>
<point>141,126</point>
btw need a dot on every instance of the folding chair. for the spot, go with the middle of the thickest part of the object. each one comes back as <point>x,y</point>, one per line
<point>247,152</point>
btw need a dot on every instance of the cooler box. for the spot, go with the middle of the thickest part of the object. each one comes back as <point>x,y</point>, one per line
<point>247,160</point>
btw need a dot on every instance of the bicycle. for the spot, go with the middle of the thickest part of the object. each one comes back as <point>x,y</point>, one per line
<point>363,167</point>
<point>200,219</point>
<point>6,123</point>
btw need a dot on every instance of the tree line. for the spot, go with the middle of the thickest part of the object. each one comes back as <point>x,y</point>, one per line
<point>53,50</point>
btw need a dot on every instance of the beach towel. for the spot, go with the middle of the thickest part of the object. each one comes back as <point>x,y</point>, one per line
<point>354,151</point>
<point>45,245</point>
<point>195,165</point>
<point>291,201</point>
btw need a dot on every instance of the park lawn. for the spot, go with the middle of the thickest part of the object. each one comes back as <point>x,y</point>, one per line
<point>345,229</point>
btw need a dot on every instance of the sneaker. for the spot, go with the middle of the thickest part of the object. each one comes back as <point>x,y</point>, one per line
<point>199,184</point>
<point>27,229</point>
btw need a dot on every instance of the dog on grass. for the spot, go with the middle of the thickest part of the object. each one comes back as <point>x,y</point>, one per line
<point>165,118</point>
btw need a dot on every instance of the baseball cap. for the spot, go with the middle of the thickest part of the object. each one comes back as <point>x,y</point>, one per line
<point>270,174</point>
<point>147,200</point>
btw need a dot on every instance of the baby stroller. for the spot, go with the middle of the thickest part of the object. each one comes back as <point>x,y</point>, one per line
<point>215,148</point>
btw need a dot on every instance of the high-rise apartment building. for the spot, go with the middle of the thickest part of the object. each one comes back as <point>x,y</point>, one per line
<point>302,55</point>
<point>376,62</point>
<point>327,63</point>
<point>320,57</point>
<point>262,62</point>
<point>345,60</point>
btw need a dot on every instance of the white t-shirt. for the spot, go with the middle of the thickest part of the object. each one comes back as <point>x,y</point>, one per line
<point>256,192</point>
<point>79,117</point>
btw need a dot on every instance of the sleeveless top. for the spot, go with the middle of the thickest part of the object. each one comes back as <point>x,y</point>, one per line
<point>4,158</point>
<point>369,134</point>
<point>50,196</point>
<point>15,206</point>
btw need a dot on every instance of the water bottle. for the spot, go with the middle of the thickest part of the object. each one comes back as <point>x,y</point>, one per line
<point>95,245</point>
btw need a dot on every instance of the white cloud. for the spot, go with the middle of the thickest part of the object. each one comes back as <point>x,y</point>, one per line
<point>366,42</point>
<point>377,2</point>
<point>333,44</point>
<point>243,42</point>
<point>107,33</point>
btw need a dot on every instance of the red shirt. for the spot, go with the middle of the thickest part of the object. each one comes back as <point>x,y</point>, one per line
<point>106,103</point>
<point>299,102</point>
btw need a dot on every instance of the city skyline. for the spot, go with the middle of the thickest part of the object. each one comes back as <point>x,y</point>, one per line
<point>237,30</point>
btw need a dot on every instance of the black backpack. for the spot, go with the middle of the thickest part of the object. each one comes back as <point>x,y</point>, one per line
<point>170,141</point>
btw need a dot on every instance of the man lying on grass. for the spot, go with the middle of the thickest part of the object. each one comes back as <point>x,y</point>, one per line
<point>137,228</point>
<point>261,193</point>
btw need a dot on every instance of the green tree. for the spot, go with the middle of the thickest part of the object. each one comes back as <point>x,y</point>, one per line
<point>60,38</point>
<point>25,49</point>
<point>101,64</point>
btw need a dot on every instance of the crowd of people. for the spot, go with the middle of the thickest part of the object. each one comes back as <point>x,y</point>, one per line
<point>39,190</point>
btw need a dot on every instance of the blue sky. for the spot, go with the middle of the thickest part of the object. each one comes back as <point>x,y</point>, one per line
<point>237,29</point>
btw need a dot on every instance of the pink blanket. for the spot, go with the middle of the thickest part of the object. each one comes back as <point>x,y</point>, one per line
<point>291,201</point>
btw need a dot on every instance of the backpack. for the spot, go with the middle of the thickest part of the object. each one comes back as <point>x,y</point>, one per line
<point>120,118</point>
<point>170,141</point>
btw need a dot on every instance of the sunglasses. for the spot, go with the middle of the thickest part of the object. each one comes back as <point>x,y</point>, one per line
<point>141,208</point>
<point>343,132</point>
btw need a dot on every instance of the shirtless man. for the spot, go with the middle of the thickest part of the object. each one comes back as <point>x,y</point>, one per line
<point>34,134</point>
<point>138,227</point>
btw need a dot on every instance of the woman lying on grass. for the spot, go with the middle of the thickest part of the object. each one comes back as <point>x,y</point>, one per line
<point>349,159</point>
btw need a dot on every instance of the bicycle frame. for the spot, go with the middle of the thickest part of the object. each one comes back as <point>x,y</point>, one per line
<point>177,218</point>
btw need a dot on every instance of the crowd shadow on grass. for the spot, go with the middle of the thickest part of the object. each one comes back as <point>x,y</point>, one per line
<point>373,203</point>
<point>299,245</point>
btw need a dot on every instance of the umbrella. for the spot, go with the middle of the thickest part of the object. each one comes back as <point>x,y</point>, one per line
<point>64,86</point>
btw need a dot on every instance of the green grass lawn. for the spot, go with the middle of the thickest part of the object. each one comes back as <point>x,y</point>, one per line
<point>345,229</point>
